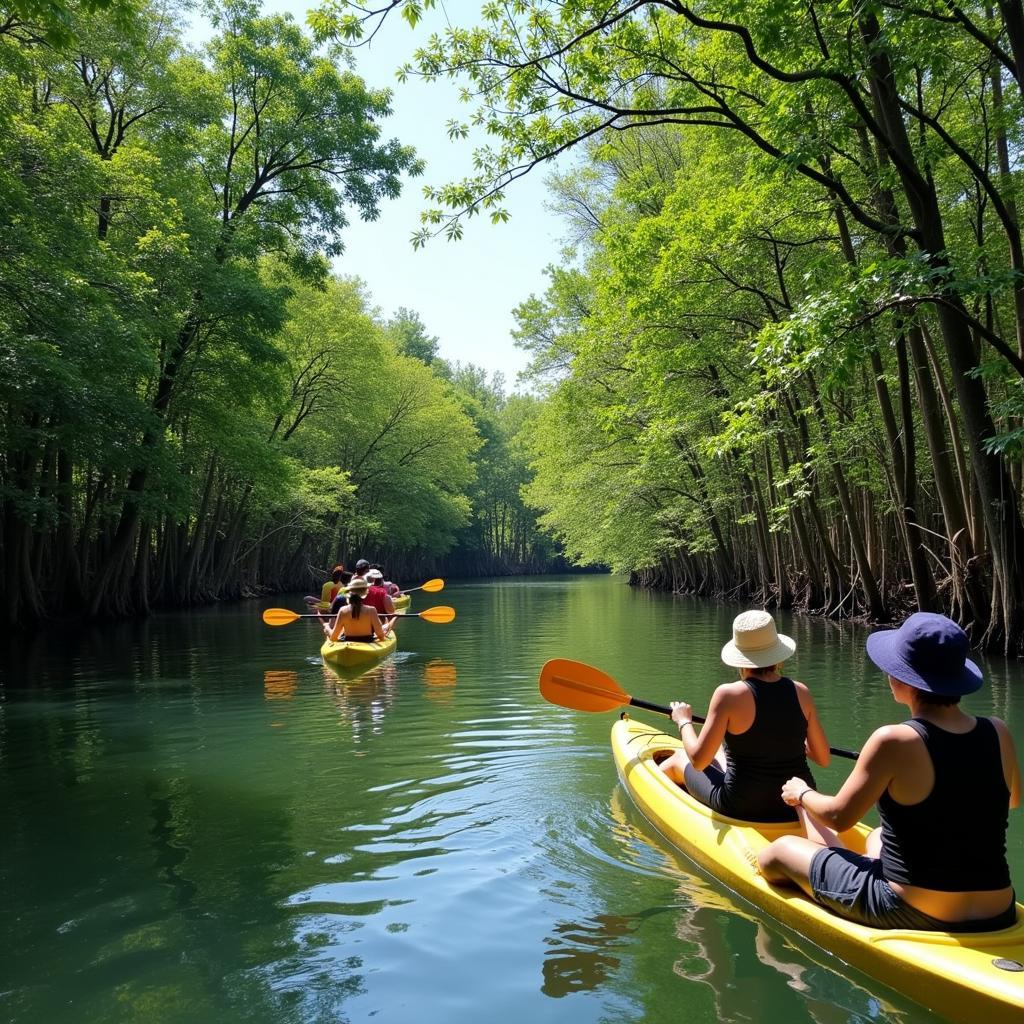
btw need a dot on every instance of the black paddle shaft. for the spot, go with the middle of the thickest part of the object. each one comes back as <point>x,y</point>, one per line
<point>661,709</point>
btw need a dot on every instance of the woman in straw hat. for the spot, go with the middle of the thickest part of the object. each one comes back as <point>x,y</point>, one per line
<point>944,783</point>
<point>765,724</point>
<point>357,620</point>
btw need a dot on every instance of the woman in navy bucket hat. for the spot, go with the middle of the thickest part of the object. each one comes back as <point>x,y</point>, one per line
<point>944,783</point>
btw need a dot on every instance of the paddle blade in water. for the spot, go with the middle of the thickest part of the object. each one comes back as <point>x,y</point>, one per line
<point>433,586</point>
<point>573,684</point>
<point>439,613</point>
<point>279,616</point>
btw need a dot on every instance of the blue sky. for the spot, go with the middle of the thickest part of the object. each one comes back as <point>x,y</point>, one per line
<point>464,291</point>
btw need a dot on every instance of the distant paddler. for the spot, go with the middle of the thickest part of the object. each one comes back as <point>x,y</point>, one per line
<point>329,590</point>
<point>392,588</point>
<point>377,596</point>
<point>358,621</point>
<point>340,595</point>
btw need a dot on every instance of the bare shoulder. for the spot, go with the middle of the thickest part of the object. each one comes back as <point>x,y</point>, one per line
<point>893,739</point>
<point>1003,729</point>
<point>803,695</point>
<point>802,690</point>
<point>897,733</point>
<point>733,689</point>
<point>729,693</point>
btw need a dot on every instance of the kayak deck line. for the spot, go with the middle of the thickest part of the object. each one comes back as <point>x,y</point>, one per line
<point>958,975</point>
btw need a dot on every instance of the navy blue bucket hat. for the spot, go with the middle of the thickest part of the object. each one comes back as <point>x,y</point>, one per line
<point>929,652</point>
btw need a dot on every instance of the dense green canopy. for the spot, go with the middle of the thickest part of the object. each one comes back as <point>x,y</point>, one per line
<point>789,362</point>
<point>192,406</point>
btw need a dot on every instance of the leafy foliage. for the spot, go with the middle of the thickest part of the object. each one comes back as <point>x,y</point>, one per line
<point>193,406</point>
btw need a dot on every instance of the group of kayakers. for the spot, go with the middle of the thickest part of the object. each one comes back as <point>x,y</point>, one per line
<point>360,603</point>
<point>944,781</point>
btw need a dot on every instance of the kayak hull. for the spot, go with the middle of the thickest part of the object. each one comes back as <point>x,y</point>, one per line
<point>951,974</point>
<point>348,654</point>
<point>402,602</point>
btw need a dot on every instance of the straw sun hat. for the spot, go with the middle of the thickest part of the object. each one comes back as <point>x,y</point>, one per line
<point>755,642</point>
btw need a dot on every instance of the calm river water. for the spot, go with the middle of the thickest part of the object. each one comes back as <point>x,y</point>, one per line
<point>199,822</point>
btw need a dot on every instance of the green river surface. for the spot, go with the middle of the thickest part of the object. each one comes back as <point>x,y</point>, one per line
<point>200,822</point>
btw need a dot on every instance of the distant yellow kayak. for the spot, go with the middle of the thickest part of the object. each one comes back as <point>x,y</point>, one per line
<point>963,977</point>
<point>402,602</point>
<point>347,653</point>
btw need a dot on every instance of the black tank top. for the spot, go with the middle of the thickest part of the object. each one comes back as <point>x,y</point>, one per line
<point>954,840</point>
<point>769,753</point>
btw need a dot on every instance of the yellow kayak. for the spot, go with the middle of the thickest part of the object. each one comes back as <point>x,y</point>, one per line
<point>347,653</point>
<point>402,602</point>
<point>963,977</point>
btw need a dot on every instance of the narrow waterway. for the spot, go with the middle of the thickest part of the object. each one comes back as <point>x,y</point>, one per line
<point>199,822</point>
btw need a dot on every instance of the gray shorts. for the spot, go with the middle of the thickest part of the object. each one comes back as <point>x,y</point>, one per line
<point>851,886</point>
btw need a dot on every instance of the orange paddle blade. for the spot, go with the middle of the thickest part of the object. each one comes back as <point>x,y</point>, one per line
<point>280,616</point>
<point>573,684</point>
<point>439,613</point>
<point>433,586</point>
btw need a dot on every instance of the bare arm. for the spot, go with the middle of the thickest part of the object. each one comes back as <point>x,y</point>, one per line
<point>869,779</point>
<point>1011,766</point>
<point>816,743</point>
<point>701,749</point>
<point>334,631</point>
<point>378,629</point>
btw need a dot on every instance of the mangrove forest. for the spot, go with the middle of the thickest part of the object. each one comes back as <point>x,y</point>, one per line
<point>781,359</point>
<point>194,405</point>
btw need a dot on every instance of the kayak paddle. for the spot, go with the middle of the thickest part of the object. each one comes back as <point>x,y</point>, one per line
<point>581,687</point>
<point>431,587</point>
<point>283,617</point>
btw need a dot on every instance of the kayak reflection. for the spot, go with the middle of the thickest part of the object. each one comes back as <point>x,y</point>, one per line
<point>791,978</point>
<point>781,980</point>
<point>362,702</point>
